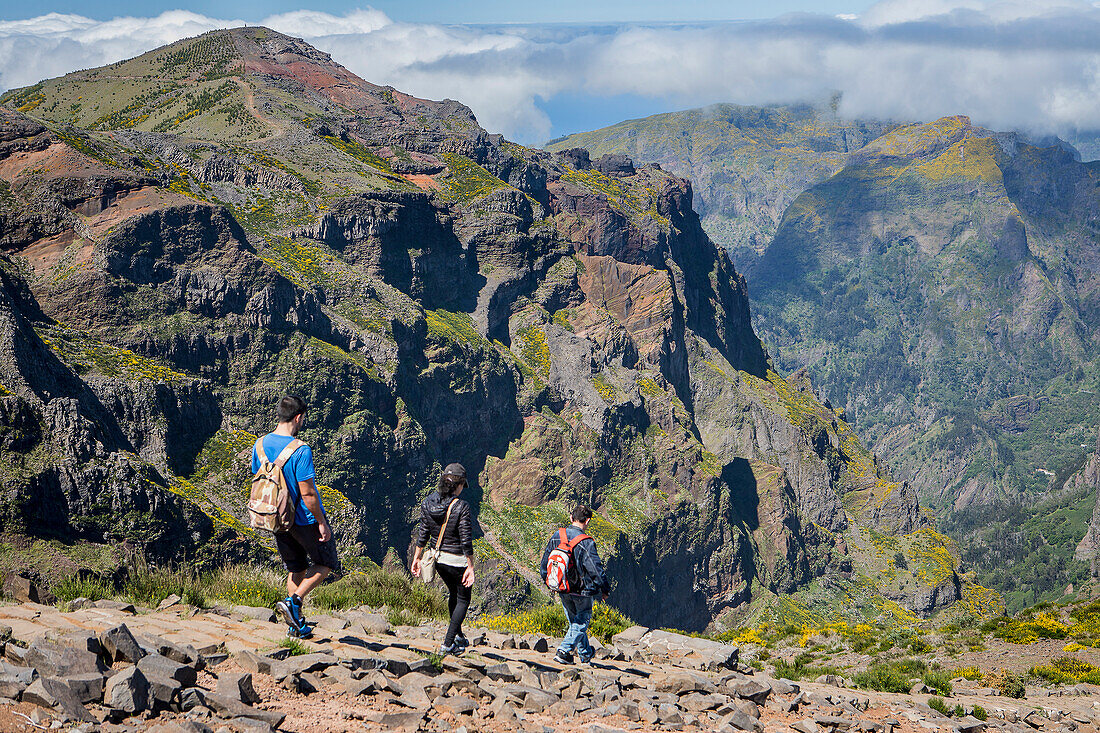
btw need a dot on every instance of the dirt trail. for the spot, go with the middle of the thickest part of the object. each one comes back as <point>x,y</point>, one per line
<point>280,128</point>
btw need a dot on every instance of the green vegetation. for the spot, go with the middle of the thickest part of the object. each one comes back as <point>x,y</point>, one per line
<point>220,452</point>
<point>451,326</point>
<point>895,676</point>
<point>356,150</point>
<point>1024,549</point>
<point>621,197</point>
<point>536,350</point>
<point>467,181</point>
<point>550,620</point>
<point>196,104</point>
<point>377,587</point>
<point>1008,683</point>
<point>84,354</point>
<point>81,586</point>
<point>604,387</point>
<point>802,667</point>
<point>296,647</point>
<point>940,706</point>
<point>147,586</point>
<point>1067,670</point>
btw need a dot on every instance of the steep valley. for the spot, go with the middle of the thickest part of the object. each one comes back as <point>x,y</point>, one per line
<point>190,234</point>
<point>938,283</point>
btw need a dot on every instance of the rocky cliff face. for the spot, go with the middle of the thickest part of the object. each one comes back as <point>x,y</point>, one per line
<point>938,282</point>
<point>566,330</point>
<point>1088,479</point>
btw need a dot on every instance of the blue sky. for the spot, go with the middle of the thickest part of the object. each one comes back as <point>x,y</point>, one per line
<point>537,70</point>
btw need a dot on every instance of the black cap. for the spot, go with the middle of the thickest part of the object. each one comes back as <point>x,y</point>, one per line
<point>455,469</point>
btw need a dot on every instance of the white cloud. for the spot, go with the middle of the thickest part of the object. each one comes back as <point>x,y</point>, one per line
<point>1030,64</point>
<point>312,23</point>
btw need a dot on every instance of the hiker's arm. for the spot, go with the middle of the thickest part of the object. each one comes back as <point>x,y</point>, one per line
<point>593,566</point>
<point>465,538</point>
<point>308,491</point>
<point>550,545</point>
<point>421,540</point>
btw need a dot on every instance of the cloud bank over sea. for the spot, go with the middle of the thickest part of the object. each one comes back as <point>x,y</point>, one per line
<point>1031,65</point>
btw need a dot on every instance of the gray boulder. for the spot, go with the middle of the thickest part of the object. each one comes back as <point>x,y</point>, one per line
<point>127,691</point>
<point>155,665</point>
<point>53,693</point>
<point>238,686</point>
<point>120,645</point>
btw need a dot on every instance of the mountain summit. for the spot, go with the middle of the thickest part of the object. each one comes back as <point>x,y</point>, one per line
<point>193,233</point>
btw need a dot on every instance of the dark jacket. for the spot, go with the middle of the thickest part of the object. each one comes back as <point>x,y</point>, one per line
<point>459,536</point>
<point>593,578</point>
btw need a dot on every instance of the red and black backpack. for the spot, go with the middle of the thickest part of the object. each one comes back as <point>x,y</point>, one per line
<point>562,573</point>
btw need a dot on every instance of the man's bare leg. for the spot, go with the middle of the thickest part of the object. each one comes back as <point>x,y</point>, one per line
<point>309,580</point>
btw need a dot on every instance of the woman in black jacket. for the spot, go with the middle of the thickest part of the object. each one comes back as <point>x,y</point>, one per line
<point>456,558</point>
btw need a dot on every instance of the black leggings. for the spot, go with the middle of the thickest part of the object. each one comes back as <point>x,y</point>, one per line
<point>458,602</point>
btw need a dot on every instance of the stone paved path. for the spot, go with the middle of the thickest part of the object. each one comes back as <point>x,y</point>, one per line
<point>385,679</point>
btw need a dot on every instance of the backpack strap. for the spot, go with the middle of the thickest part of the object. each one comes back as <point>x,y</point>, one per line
<point>446,521</point>
<point>563,541</point>
<point>576,540</point>
<point>283,457</point>
<point>290,450</point>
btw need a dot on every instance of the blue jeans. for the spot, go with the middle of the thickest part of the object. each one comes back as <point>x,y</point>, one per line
<point>578,610</point>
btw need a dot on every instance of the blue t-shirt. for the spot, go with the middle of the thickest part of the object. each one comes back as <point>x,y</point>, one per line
<point>298,468</point>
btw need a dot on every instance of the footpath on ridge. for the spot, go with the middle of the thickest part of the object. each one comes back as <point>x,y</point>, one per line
<point>112,667</point>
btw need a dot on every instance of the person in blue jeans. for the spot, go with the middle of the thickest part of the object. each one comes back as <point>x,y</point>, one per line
<point>307,549</point>
<point>590,581</point>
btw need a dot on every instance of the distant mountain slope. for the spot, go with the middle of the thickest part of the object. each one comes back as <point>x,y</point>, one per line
<point>945,287</point>
<point>941,283</point>
<point>747,164</point>
<point>437,293</point>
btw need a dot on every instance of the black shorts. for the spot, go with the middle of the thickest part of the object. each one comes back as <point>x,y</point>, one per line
<point>300,547</point>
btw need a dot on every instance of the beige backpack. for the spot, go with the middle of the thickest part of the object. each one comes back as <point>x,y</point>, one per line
<point>269,503</point>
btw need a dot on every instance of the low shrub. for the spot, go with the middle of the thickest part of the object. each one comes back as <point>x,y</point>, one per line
<point>549,620</point>
<point>245,585</point>
<point>968,673</point>
<point>1008,683</point>
<point>938,704</point>
<point>801,668</point>
<point>72,587</point>
<point>1068,670</point>
<point>296,647</point>
<point>148,586</point>
<point>938,680</point>
<point>882,677</point>
<point>980,713</point>
<point>378,588</point>
<point>1018,631</point>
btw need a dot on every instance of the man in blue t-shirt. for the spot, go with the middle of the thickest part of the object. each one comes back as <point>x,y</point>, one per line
<point>307,549</point>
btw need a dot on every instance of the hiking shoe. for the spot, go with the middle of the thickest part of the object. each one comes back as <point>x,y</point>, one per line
<point>304,631</point>
<point>295,604</point>
<point>563,657</point>
<point>453,650</point>
<point>285,608</point>
<point>461,641</point>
